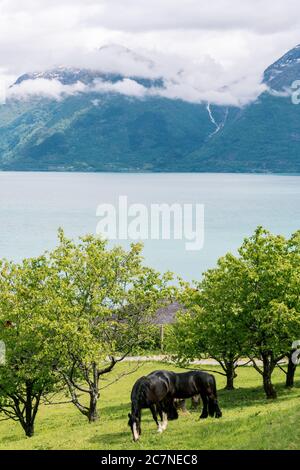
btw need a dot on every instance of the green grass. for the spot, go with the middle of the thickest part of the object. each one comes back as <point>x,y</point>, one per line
<point>249,421</point>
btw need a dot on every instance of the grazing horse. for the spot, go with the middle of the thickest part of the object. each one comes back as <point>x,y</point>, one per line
<point>159,389</point>
<point>151,392</point>
<point>188,384</point>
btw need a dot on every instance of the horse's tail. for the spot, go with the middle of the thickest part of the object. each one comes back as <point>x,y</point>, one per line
<point>212,397</point>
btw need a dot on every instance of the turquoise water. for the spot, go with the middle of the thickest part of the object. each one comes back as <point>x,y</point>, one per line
<point>34,205</point>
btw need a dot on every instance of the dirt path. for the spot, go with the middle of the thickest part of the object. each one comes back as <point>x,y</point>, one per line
<point>202,362</point>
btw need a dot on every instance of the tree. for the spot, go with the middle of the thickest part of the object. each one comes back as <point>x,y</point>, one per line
<point>26,375</point>
<point>248,305</point>
<point>291,369</point>
<point>294,299</point>
<point>210,325</point>
<point>269,301</point>
<point>103,305</point>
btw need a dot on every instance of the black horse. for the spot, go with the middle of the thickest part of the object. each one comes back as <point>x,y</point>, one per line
<point>158,390</point>
<point>188,384</point>
<point>151,392</point>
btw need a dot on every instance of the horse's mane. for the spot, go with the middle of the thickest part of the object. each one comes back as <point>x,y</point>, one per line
<point>142,386</point>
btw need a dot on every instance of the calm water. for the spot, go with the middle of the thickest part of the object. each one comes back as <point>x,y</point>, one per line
<point>34,205</point>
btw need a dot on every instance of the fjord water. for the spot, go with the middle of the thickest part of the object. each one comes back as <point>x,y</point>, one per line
<point>34,205</point>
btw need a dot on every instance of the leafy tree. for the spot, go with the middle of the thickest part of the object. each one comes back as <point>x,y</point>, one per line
<point>26,375</point>
<point>248,305</point>
<point>103,304</point>
<point>269,301</point>
<point>294,298</point>
<point>211,326</point>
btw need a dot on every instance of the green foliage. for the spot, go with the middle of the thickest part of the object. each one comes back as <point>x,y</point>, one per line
<point>73,314</point>
<point>270,274</point>
<point>27,374</point>
<point>68,318</point>
<point>151,341</point>
<point>248,305</point>
<point>102,306</point>
<point>106,298</point>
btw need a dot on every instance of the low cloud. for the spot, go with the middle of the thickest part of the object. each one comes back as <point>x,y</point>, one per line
<point>54,89</point>
<point>42,87</point>
<point>173,77</point>
<point>234,95</point>
<point>126,87</point>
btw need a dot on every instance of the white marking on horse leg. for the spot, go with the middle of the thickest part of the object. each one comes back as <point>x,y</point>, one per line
<point>135,432</point>
<point>165,421</point>
<point>160,428</point>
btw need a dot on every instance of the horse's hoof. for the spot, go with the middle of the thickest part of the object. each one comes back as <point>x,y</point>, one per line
<point>218,415</point>
<point>203,417</point>
<point>160,430</point>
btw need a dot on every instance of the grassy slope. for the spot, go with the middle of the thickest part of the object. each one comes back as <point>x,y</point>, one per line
<point>118,134</point>
<point>249,421</point>
<point>264,136</point>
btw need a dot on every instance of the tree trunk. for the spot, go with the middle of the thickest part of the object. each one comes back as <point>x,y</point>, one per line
<point>267,377</point>
<point>290,372</point>
<point>162,334</point>
<point>94,395</point>
<point>93,413</point>
<point>31,407</point>
<point>230,375</point>
<point>29,429</point>
<point>229,382</point>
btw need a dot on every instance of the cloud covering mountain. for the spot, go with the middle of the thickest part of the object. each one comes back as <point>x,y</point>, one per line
<point>79,119</point>
<point>204,51</point>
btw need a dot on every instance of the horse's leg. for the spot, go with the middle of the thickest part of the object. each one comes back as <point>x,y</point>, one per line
<point>168,412</point>
<point>180,405</point>
<point>204,413</point>
<point>218,412</point>
<point>163,413</point>
<point>164,420</point>
<point>168,406</point>
<point>213,406</point>
<point>154,416</point>
<point>159,410</point>
<point>195,402</point>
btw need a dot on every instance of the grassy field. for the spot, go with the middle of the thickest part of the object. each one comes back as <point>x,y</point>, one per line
<point>249,421</point>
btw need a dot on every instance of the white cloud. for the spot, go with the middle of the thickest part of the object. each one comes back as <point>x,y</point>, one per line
<point>124,87</point>
<point>262,16</point>
<point>237,94</point>
<point>203,50</point>
<point>42,87</point>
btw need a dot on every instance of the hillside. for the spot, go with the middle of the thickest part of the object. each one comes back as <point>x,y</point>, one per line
<point>101,128</point>
<point>249,421</point>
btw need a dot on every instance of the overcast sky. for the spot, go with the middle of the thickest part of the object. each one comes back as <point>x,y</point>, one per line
<point>206,50</point>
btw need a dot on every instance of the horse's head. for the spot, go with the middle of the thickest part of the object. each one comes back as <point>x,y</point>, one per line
<point>134,423</point>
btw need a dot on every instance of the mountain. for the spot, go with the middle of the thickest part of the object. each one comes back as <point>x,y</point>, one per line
<point>95,126</point>
<point>280,75</point>
<point>94,131</point>
<point>265,135</point>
